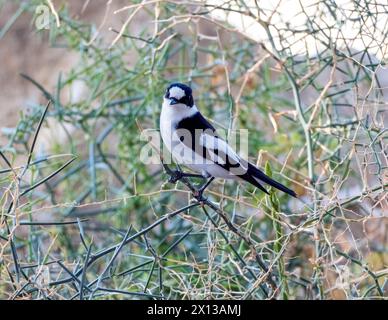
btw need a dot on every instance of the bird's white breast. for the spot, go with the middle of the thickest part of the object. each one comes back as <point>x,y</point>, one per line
<point>169,119</point>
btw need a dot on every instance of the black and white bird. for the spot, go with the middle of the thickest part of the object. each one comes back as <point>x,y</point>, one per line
<point>194,142</point>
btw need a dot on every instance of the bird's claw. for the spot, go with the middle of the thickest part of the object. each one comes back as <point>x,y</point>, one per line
<point>198,194</point>
<point>175,176</point>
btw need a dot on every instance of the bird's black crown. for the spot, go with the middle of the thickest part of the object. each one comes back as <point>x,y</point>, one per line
<point>187,99</point>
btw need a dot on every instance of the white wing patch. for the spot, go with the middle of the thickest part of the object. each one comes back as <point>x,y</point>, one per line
<point>212,143</point>
<point>176,92</point>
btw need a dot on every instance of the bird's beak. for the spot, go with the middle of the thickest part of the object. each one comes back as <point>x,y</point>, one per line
<point>173,101</point>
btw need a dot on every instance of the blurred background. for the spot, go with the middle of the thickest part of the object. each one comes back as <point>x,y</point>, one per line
<point>25,50</point>
<point>83,217</point>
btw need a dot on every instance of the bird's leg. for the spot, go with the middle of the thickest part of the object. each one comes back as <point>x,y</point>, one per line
<point>176,175</point>
<point>198,194</point>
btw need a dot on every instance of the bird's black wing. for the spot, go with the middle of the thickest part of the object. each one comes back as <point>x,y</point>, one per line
<point>190,130</point>
<point>196,121</point>
<point>204,140</point>
<point>198,134</point>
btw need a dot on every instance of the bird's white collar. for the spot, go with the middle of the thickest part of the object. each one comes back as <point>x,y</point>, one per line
<point>176,112</point>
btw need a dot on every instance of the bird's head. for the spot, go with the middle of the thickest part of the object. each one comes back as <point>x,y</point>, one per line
<point>178,94</point>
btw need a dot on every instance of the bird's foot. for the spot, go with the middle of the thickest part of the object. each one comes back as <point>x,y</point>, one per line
<point>198,195</point>
<point>175,176</point>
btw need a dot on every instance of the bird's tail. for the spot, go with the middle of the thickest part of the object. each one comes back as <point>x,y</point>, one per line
<point>258,174</point>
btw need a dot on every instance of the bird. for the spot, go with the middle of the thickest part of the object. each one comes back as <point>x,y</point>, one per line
<point>193,142</point>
